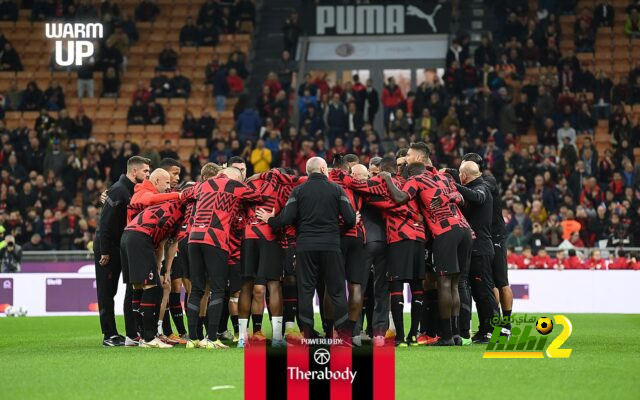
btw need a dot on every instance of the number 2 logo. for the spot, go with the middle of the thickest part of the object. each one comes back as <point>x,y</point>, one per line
<point>554,350</point>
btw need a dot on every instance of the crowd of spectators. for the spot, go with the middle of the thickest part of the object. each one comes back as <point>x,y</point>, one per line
<point>562,192</point>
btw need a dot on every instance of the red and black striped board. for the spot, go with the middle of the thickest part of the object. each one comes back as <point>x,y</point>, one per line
<point>327,372</point>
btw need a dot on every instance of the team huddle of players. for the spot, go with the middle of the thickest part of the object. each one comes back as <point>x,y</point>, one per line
<point>212,237</point>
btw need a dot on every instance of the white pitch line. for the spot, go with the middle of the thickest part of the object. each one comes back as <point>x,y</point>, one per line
<point>222,387</point>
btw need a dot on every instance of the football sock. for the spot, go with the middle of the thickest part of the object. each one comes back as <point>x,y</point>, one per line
<point>290,304</point>
<point>214,311</point>
<point>242,327</point>
<point>445,325</point>
<point>455,325</point>
<point>256,319</point>
<point>397,308</point>
<point>148,304</point>
<point>507,315</point>
<point>417,301</point>
<point>175,308</point>
<point>234,323</point>
<point>329,329</point>
<point>166,322</point>
<point>200,329</point>
<point>430,314</point>
<point>193,319</point>
<point>137,296</point>
<point>276,323</point>
<point>224,317</point>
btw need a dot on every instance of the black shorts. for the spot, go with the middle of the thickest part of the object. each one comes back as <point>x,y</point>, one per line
<point>405,260</point>
<point>354,259</point>
<point>261,260</point>
<point>451,250</point>
<point>289,261</point>
<point>139,257</point>
<point>499,267</point>
<point>235,282</point>
<point>180,266</point>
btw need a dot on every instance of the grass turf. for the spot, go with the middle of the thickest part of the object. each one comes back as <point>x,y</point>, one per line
<point>61,357</point>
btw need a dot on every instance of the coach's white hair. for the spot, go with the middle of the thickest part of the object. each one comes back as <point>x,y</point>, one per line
<point>157,174</point>
<point>359,171</point>
<point>315,164</point>
<point>470,168</point>
<point>232,173</point>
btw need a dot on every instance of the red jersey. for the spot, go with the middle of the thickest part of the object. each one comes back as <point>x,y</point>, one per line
<point>283,185</point>
<point>160,221</point>
<point>255,228</point>
<point>217,200</point>
<point>621,263</point>
<point>525,262</point>
<point>144,195</point>
<point>431,185</point>
<point>184,229</point>
<point>514,261</point>
<point>238,222</point>
<point>341,178</point>
<point>542,262</point>
<point>593,264</point>
<point>573,262</point>
<point>401,221</point>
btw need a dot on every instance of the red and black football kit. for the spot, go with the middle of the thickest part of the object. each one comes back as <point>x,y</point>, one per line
<point>405,250</point>
<point>352,240</point>
<point>217,201</point>
<point>452,238</point>
<point>261,252</point>
<point>145,195</point>
<point>180,267</point>
<point>145,233</point>
<point>405,234</point>
<point>238,224</point>
<point>283,185</point>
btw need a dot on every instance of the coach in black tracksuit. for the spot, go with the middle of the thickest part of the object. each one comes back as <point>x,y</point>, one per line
<point>478,211</point>
<point>376,250</point>
<point>499,237</point>
<point>106,249</point>
<point>314,209</point>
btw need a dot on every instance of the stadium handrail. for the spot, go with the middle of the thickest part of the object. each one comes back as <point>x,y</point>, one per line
<point>56,255</point>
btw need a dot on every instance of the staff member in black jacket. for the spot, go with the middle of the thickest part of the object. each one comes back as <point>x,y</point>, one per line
<point>499,238</point>
<point>314,208</point>
<point>106,249</point>
<point>479,213</point>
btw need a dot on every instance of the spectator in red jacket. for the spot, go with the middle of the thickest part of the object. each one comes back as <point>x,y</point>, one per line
<point>306,152</point>
<point>526,262</point>
<point>541,260</point>
<point>392,98</point>
<point>596,261</point>
<point>624,261</point>
<point>235,82</point>
<point>558,263</point>
<point>573,262</point>
<point>273,83</point>
<point>514,260</point>
<point>142,93</point>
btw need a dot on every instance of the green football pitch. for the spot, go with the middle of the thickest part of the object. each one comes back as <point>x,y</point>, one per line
<point>61,358</point>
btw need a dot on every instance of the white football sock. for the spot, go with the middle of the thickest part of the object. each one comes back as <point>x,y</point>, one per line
<point>160,332</point>
<point>276,323</point>
<point>242,325</point>
<point>289,325</point>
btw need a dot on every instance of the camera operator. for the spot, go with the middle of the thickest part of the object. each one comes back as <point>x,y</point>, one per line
<point>10,256</point>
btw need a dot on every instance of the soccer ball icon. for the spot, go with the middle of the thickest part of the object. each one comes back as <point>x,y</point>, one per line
<point>544,325</point>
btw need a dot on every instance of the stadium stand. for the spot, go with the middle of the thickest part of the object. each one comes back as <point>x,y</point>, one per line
<point>506,96</point>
